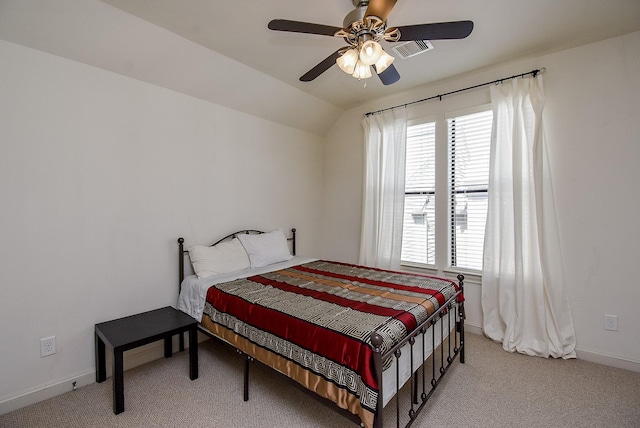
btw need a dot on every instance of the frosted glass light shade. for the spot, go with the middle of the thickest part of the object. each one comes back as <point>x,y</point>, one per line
<point>347,61</point>
<point>362,71</point>
<point>370,52</point>
<point>383,62</point>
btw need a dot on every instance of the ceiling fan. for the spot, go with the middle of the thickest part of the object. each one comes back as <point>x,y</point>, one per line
<point>363,29</point>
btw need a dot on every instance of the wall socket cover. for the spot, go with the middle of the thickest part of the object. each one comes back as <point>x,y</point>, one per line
<point>611,322</point>
<point>47,346</point>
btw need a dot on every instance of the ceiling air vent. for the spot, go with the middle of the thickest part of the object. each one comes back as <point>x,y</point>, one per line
<point>412,48</point>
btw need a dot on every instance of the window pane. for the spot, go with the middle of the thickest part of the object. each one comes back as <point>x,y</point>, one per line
<point>469,222</point>
<point>469,144</point>
<point>420,171</point>
<point>418,237</point>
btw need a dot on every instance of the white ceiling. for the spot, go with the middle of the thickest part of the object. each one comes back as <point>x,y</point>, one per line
<point>222,51</point>
<point>504,30</point>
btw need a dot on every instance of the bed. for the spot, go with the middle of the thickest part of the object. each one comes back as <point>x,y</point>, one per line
<point>359,337</point>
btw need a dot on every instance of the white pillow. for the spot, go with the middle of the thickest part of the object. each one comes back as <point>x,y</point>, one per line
<point>224,257</point>
<point>266,248</point>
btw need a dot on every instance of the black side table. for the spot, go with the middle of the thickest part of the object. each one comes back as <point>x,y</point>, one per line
<point>137,330</point>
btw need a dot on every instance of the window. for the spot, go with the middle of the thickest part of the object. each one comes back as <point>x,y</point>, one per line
<point>469,139</point>
<point>463,208</point>
<point>418,232</point>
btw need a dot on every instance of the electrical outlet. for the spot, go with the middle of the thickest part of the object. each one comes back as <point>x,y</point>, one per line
<point>47,346</point>
<point>611,322</point>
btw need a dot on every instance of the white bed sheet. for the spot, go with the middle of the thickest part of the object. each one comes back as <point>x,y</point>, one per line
<point>406,370</point>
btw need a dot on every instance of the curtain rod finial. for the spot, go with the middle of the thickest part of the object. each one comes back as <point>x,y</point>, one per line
<point>541,70</point>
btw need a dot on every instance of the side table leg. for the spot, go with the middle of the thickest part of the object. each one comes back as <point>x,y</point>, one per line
<point>193,353</point>
<point>101,364</point>
<point>118,382</point>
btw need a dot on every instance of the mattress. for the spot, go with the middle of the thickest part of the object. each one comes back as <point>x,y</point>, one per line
<point>312,320</point>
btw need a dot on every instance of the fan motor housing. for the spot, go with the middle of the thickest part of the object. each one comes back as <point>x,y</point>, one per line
<point>355,15</point>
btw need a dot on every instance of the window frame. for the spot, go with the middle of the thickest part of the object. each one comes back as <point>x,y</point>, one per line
<point>442,195</point>
<point>451,238</point>
<point>415,122</point>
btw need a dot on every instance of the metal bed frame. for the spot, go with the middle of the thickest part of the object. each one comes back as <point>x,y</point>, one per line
<point>421,384</point>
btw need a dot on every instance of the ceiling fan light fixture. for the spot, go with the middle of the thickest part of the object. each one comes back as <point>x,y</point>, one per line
<point>383,62</point>
<point>347,61</point>
<point>363,29</point>
<point>362,71</point>
<point>370,52</point>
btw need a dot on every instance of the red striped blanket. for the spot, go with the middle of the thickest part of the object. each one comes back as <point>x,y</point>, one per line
<point>319,317</point>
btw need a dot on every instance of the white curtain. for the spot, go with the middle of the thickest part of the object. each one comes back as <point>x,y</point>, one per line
<point>383,201</point>
<point>523,296</point>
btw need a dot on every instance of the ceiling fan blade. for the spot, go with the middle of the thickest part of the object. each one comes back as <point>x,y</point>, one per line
<point>389,76</point>
<point>436,31</point>
<point>323,66</point>
<point>380,8</point>
<point>303,27</point>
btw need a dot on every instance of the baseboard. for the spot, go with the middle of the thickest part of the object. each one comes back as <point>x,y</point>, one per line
<point>153,351</point>
<point>475,329</point>
<point>582,354</point>
<point>46,391</point>
<point>608,360</point>
<point>133,358</point>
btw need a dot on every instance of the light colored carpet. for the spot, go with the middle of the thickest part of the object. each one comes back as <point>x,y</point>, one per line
<point>493,389</point>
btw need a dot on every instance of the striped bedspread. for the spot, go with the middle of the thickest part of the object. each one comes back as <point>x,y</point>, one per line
<point>313,323</point>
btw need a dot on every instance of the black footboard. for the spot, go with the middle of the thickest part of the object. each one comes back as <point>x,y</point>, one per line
<point>431,369</point>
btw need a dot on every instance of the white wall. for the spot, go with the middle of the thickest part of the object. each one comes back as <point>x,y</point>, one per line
<point>99,175</point>
<point>83,30</point>
<point>592,130</point>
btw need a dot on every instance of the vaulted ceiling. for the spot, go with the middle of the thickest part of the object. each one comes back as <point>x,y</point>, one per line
<point>222,50</point>
<point>504,30</point>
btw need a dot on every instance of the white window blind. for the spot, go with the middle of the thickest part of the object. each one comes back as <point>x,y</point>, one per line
<point>469,145</point>
<point>418,237</point>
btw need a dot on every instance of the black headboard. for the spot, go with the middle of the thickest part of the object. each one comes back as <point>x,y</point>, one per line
<point>182,253</point>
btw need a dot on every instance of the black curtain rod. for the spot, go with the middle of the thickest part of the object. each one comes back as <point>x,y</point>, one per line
<point>533,73</point>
